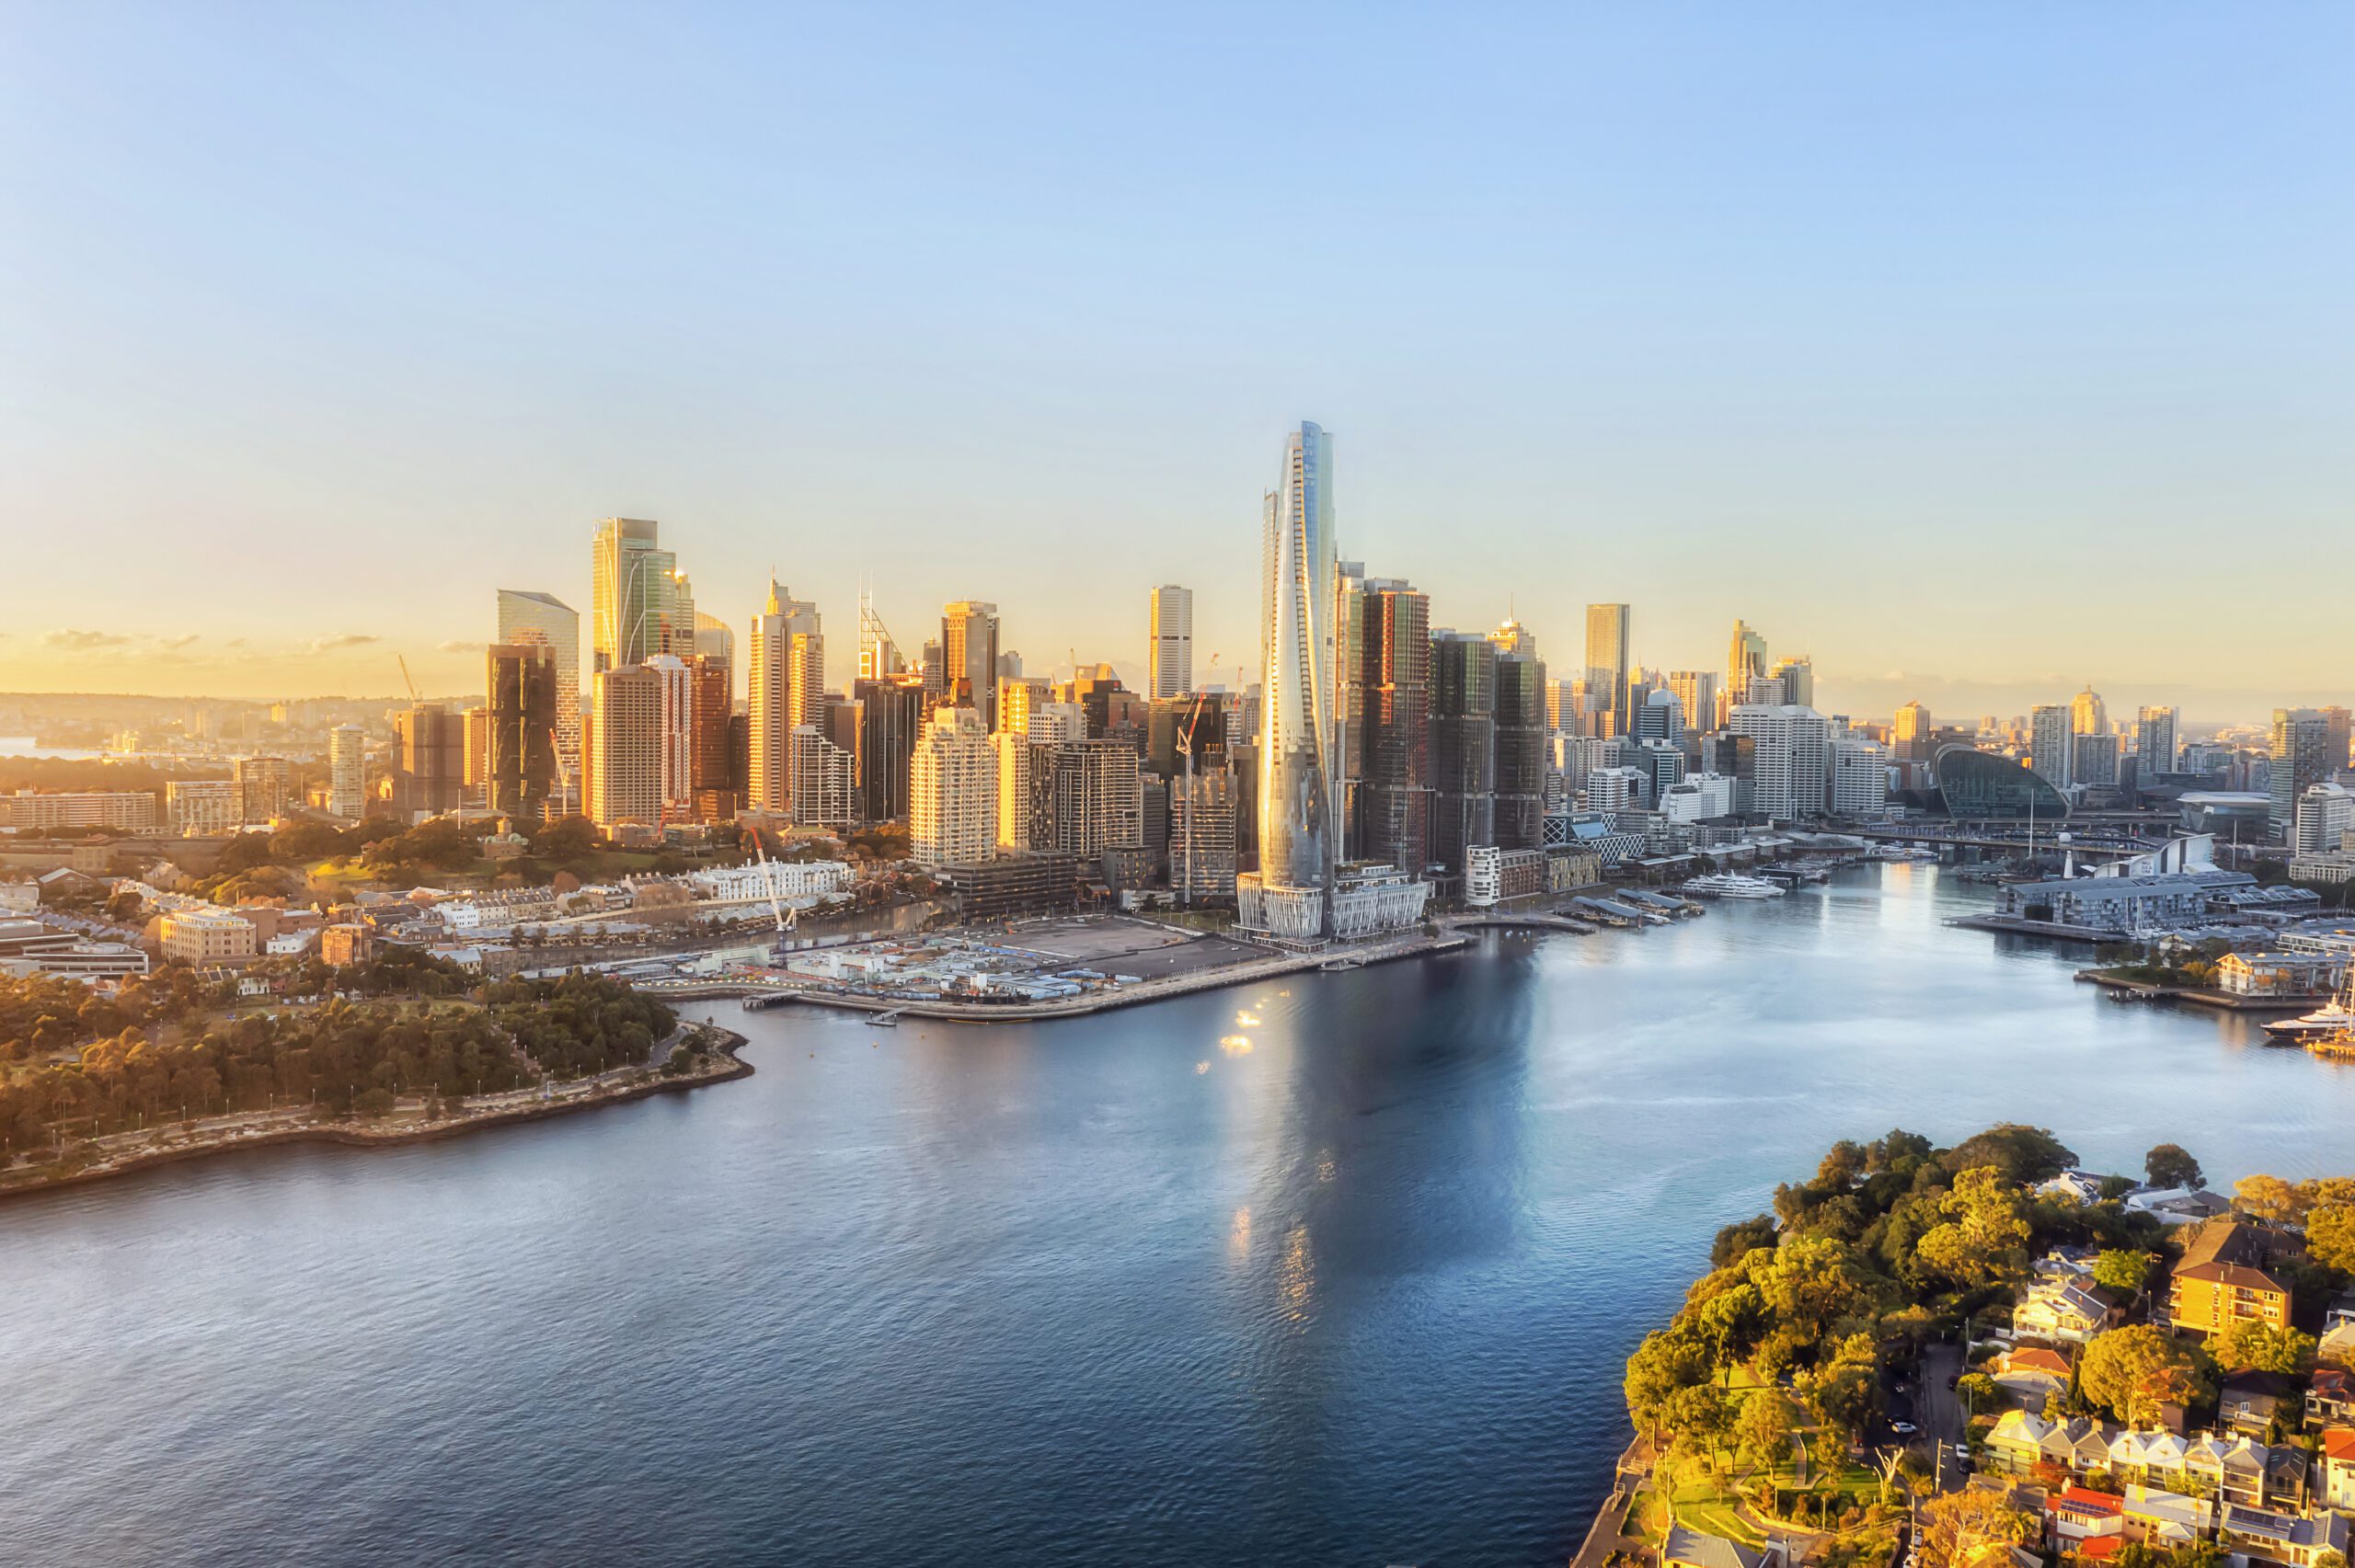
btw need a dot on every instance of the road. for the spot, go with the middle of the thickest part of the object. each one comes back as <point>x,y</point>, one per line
<point>1941,1417</point>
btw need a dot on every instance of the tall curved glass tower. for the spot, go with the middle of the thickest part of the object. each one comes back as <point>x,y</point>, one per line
<point>1298,843</point>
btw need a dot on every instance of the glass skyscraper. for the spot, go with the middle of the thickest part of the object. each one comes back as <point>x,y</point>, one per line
<point>1298,846</point>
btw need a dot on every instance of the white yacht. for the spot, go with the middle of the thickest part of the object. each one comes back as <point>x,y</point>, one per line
<point>2335,1016</point>
<point>1730,885</point>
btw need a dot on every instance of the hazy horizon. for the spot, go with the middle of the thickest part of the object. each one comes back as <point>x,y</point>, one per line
<point>1983,354</point>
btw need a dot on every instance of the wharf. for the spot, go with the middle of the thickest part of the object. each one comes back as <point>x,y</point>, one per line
<point>2223,1001</point>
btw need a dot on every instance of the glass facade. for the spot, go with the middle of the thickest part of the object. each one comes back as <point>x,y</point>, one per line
<point>1977,783</point>
<point>1298,847</point>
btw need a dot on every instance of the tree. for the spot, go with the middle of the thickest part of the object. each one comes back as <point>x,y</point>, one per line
<point>1986,1228</point>
<point>2170,1165</point>
<point>1845,1390</point>
<point>1973,1530</point>
<point>1762,1431</point>
<point>2135,1369</point>
<point>2266,1198</point>
<point>2025,1155</point>
<point>1978,1391</point>
<point>2330,1236</point>
<point>2121,1269</point>
<point>1665,1362</point>
<point>1698,1419</point>
<point>1742,1236</point>
<point>2253,1347</point>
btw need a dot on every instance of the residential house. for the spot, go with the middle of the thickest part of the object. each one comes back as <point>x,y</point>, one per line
<point>2338,1346</point>
<point>2177,1205</point>
<point>2085,1524</point>
<point>2232,1469</point>
<point>2030,1373</point>
<point>2249,1401</point>
<point>2225,1278</point>
<point>2063,1310</point>
<point>2074,1187</point>
<point>2293,1540</point>
<point>2339,1467</point>
<point>2330,1399</point>
<point>2164,1518</point>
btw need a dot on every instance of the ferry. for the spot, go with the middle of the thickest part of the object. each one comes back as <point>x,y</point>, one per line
<point>2335,1016</point>
<point>1730,885</point>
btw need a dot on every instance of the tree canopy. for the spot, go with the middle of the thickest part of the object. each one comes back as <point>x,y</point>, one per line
<point>2170,1165</point>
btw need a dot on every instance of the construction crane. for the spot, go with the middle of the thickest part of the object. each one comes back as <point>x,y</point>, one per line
<point>785,919</point>
<point>409,680</point>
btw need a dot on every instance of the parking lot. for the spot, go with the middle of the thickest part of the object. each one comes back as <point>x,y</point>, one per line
<point>1123,946</point>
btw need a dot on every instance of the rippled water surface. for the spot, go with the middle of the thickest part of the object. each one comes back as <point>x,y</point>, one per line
<point>1099,1292</point>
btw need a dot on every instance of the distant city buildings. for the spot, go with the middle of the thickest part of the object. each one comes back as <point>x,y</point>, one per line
<point>952,793</point>
<point>1607,668</point>
<point>346,772</point>
<point>1169,646</point>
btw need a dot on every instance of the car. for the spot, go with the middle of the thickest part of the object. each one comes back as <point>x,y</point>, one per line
<point>1902,1386</point>
<point>1903,1428</point>
<point>1955,1378</point>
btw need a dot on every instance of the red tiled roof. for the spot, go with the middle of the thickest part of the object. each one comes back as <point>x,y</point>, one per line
<point>2339,1443</point>
<point>2100,1548</point>
<point>2036,1358</point>
<point>2079,1500</point>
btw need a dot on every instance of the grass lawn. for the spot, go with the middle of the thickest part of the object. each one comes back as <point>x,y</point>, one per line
<point>1701,1508</point>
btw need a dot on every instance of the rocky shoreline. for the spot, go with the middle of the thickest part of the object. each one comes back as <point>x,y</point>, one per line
<point>724,1066</point>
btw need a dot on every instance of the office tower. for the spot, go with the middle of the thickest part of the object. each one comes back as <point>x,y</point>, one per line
<point>1910,733</point>
<point>1196,719</point>
<point>528,617</point>
<point>1111,708</point>
<point>1662,764</point>
<point>1859,778</point>
<point>199,806</point>
<point>1464,746</point>
<point>935,678</point>
<point>1394,748</point>
<point>1511,637</point>
<point>1519,770</point>
<point>2335,735</point>
<point>952,791</point>
<point>714,640</point>
<point>346,772</point>
<point>2324,813</point>
<point>1085,797</point>
<point>2093,759</point>
<point>1169,646</point>
<point>2155,742</point>
<point>1745,662</point>
<point>1660,716</point>
<point>1615,789</point>
<point>879,656</point>
<point>1696,697</point>
<point>2299,749</point>
<point>478,767</point>
<point>520,767</point>
<point>968,657</point>
<point>1347,737</point>
<point>1606,667</point>
<point>2088,715</point>
<point>826,780</point>
<point>1202,812</point>
<point>891,721</point>
<point>784,682</point>
<point>2050,743</point>
<point>1798,676</point>
<point>428,759</point>
<point>1016,695</point>
<point>676,735</point>
<point>719,791</point>
<point>261,785</point>
<point>1009,665</point>
<point>1792,762</point>
<point>1298,837</point>
<point>625,746</point>
<point>636,609</point>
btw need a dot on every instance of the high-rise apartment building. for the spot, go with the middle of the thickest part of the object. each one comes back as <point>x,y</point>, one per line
<point>2051,745</point>
<point>1607,666</point>
<point>1298,833</point>
<point>640,604</point>
<point>477,768</point>
<point>2155,742</point>
<point>542,618</point>
<point>1696,694</point>
<point>1792,765</point>
<point>1169,646</point>
<point>2324,813</point>
<point>784,687</point>
<point>2093,759</point>
<point>262,787</point>
<point>429,761</point>
<point>624,744</point>
<point>826,780</point>
<point>1085,796</point>
<point>719,790</point>
<point>675,740</point>
<point>891,721</point>
<point>1464,746</point>
<point>969,632</point>
<point>1519,822</point>
<point>520,764</point>
<point>1859,778</point>
<point>1910,735</point>
<point>1202,809</point>
<point>1394,794</point>
<point>199,806</point>
<point>2299,748</point>
<point>346,772</point>
<point>2088,715</point>
<point>952,791</point>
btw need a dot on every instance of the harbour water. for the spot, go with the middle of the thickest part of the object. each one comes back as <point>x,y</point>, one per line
<point>1338,1269</point>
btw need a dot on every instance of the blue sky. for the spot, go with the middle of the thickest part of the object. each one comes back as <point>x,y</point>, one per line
<point>1975,350</point>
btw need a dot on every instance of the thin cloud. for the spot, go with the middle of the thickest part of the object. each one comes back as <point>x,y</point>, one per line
<point>81,642</point>
<point>342,640</point>
<point>456,646</point>
<point>179,642</point>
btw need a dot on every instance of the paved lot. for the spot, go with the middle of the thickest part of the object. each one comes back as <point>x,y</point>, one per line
<point>1126,947</point>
